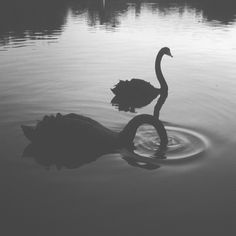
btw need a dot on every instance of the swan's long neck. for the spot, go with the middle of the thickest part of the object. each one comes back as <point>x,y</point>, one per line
<point>160,77</point>
<point>163,84</point>
<point>126,136</point>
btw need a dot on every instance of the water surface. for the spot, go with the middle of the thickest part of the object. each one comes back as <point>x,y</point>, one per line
<point>64,57</point>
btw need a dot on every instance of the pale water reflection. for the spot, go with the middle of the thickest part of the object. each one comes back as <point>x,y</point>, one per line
<point>64,56</point>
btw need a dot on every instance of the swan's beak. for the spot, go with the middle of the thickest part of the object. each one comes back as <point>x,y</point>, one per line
<point>169,54</point>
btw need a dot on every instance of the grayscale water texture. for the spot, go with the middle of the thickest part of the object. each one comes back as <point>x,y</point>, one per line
<point>64,56</point>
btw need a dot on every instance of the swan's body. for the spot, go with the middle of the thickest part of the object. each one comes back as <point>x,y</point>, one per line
<point>70,130</point>
<point>134,89</point>
<point>137,88</point>
<point>82,133</point>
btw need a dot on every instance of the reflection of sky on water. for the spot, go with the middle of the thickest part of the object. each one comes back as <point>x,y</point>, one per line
<point>30,20</point>
<point>75,74</point>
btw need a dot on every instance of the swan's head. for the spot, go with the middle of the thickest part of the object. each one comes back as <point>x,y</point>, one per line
<point>166,51</point>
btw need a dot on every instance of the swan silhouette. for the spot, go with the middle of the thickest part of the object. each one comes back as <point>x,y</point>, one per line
<point>73,140</point>
<point>124,104</point>
<point>138,92</point>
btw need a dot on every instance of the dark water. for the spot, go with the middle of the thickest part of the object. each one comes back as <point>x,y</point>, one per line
<point>64,56</point>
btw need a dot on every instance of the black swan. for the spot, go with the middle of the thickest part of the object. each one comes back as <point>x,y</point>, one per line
<point>139,93</point>
<point>81,139</point>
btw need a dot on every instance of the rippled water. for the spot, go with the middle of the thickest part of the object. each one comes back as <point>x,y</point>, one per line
<point>183,145</point>
<point>64,57</point>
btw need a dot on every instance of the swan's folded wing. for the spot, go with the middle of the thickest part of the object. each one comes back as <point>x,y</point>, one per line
<point>28,132</point>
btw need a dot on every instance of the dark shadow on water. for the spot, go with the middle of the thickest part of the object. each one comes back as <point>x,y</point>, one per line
<point>144,165</point>
<point>73,159</point>
<point>108,14</point>
<point>129,105</point>
<point>62,157</point>
<point>72,140</point>
<point>45,19</point>
<point>31,20</point>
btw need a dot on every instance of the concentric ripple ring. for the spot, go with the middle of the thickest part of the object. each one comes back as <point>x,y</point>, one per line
<point>183,144</point>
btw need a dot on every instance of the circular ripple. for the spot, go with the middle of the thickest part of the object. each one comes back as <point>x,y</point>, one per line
<point>183,143</point>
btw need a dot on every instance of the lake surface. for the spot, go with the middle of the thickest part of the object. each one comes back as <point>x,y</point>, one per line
<point>64,56</point>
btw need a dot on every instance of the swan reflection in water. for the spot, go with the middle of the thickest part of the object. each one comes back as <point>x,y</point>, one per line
<point>130,104</point>
<point>138,93</point>
<point>74,140</point>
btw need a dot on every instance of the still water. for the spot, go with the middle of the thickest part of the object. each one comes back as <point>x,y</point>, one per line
<point>64,57</point>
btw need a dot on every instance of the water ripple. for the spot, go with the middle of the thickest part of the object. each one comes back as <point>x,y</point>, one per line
<point>184,144</point>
